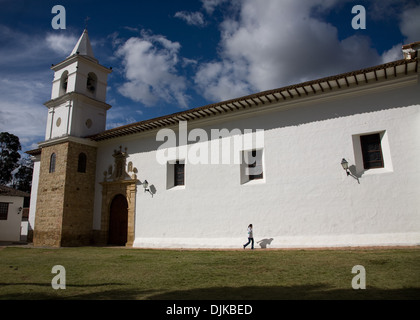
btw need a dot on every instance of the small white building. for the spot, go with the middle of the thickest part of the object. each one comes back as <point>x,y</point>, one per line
<point>329,162</point>
<point>11,211</point>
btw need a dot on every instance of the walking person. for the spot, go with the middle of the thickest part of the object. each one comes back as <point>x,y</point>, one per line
<point>250,237</point>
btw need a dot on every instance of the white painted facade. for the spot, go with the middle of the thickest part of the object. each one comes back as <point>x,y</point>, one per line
<point>10,228</point>
<point>306,198</point>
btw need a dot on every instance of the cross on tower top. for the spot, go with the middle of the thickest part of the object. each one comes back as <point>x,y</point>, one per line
<point>86,22</point>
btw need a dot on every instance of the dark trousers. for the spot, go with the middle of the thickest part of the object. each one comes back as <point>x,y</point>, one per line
<point>250,240</point>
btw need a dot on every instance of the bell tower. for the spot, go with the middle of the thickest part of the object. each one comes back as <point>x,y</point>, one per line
<point>77,109</point>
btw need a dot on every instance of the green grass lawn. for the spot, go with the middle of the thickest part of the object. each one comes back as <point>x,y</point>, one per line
<point>112,273</point>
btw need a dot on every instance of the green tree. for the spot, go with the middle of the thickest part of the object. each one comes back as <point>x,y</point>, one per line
<point>9,156</point>
<point>23,176</point>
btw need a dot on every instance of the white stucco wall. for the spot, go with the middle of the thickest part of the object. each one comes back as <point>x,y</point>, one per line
<point>84,112</point>
<point>58,121</point>
<point>305,199</point>
<point>10,228</point>
<point>77,118</point>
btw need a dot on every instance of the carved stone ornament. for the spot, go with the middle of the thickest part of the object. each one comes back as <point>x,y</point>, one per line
<point>119,171</point>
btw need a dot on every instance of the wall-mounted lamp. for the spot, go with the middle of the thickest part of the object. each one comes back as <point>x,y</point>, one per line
<point>146,187</point>
<point>20,210</point>
<point>345,166</point>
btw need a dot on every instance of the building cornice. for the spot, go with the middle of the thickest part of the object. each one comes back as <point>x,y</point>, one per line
<point>74,96</point>
<point>65,139</point>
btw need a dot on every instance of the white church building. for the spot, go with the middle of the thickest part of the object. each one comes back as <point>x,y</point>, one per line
<point>325,163</point>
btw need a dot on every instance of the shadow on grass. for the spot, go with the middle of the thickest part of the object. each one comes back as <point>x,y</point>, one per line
<point>68,285</point>
<point>305,292</point>
<point>70,294</point>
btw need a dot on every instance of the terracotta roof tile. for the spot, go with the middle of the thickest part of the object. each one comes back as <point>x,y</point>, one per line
<point>7,191</point>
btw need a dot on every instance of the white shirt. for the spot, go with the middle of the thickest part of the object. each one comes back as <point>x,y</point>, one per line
<point>250,234</point>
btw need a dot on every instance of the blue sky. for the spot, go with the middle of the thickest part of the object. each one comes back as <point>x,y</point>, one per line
<point>172,55</point>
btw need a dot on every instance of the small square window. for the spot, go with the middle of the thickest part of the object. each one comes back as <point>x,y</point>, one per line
<point>372,151</point>
<point>255,168</point>
<point>252,166</point>
<point>175,174</point>
<point>179,174</point>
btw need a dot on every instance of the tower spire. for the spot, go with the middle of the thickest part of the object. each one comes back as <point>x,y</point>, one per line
<point>83,46</point>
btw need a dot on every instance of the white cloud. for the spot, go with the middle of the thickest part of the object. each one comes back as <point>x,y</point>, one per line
<point>395,53</point>
<point>191,18</point>
<point>150,67</point>
<point>120,115</point>
<point>273,43</point>
<point>222,80</point>
<point>21,112</point>
<point>61,43</point>
<point>410,24</point>
<point>25,83</point>
<point>29,51</point>
<point>406,11</point>
<point>121,121</point>
<point>210,5</point>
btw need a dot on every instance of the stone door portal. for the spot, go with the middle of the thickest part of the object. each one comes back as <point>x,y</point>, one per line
<point>118,203</point>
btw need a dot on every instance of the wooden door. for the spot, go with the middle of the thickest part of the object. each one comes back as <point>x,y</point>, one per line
<point>118,221</point>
